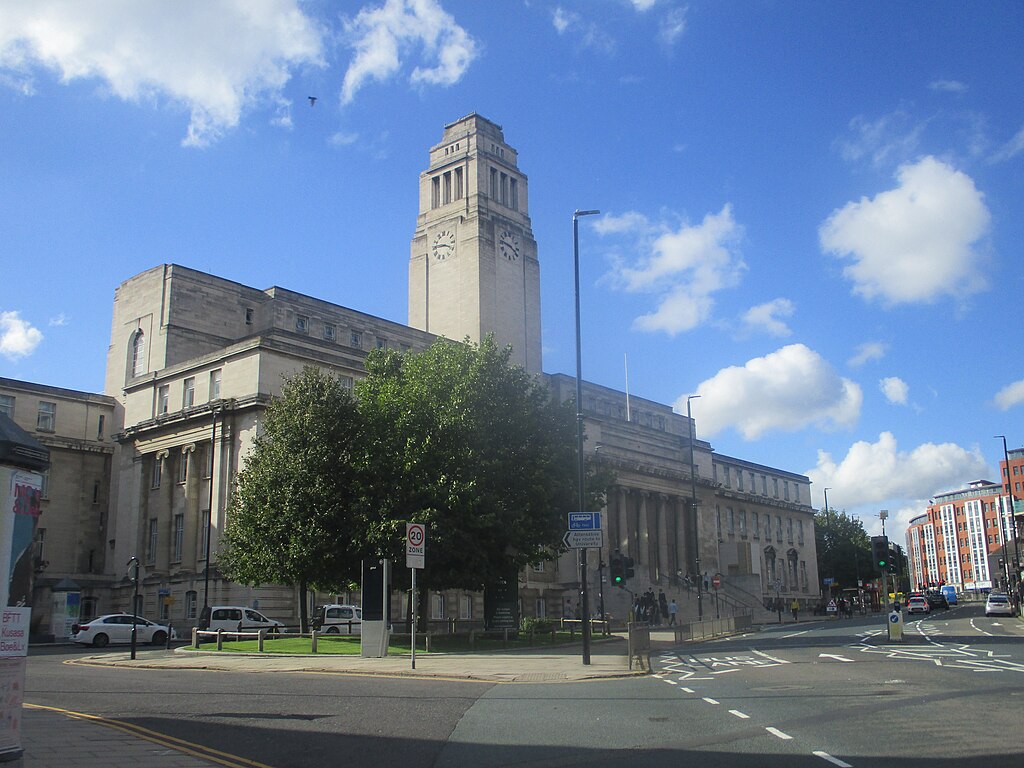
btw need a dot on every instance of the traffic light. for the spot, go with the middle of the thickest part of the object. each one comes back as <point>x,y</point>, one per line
<point>895,558</point>
<point>880,552</point>
<point>627,568</point>
<point>615,566</point>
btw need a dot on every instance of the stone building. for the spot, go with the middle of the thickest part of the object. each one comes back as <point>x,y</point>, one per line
<point>194,359</point>
<point>72,541</point>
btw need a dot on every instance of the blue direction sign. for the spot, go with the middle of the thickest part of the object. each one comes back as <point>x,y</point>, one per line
<point>584,521</point>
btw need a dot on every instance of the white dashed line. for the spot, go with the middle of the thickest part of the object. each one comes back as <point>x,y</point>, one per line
<point>688,690</point>
<point>670,682</point>
<point>771,658</point>
<point>710,701</point>
<point>739,714</point>
<point>833,760</point>
<point>777,732</point>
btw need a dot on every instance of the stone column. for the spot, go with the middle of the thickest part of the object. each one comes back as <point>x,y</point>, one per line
<point>664,564</point>
<point>623,534</point>
<point>643,552</point>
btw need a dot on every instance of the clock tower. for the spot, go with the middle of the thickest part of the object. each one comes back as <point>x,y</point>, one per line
<point>473,268</point>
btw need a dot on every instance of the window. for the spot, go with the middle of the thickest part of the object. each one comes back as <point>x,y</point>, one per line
<point>447,187</point>
<point>767,527</point>
<point>727,480</point>
<point>329,331</point>
<point>208,462</point>
<point>96,492</point>
<point>382,343</point>
<point>514,195</point>
<point>785,488</point>
<point>191,600</point>
<point>151,548</point>
<point>435,192</point>
<point>301,324</point>
<point>718,523</point>
<point>46,418</point>
<point>775,487</point>
<point>739,479</point>
<point>437,606</point>
<point>138,354</point>
<point>158,472</point>
<point>789,530</point>
<point>182,468</point>
<point>730,521</point>
<point>778,528</point>
<point>179,537</point>
<point>99,427</point>
<point>764,485</point>
<point>163,400</point>
<point>188,392</point>
<point>7,406</point>
<point>355,339</point>
<point>538,567</point>
<point>466,607</point>
<point>800,531</point>
<point>755,524</point>
<point>215,384</point>
<point>796,492</point>
<point>494,183</point>
<point>743,523</point>
<point>205,534</point>
<point>458,184</point>
<point>540,607</point>
<point>165,607</point>
<point>753,486</point>
<point>250,313</point>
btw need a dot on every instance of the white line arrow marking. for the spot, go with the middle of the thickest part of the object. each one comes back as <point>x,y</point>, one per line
<point>835,656</point>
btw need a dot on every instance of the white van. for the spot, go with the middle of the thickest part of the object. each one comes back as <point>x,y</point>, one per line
<point>338,619</point>
<point>236,618</point>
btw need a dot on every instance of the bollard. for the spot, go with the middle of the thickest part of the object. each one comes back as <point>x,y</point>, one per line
<point>261,637</point>
<point>170,631</point>
<point>195,637</point>
<point>220,639</point>
<point>312,644</point>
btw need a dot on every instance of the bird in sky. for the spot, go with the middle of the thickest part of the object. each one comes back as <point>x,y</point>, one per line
<point>312,100</point>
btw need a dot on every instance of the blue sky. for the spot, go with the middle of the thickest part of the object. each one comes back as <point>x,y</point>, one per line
<point>811,212</point>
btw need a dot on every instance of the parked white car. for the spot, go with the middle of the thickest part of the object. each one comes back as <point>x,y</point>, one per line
<point>998,604</point>
<point>338,619</point>
<point>117,628</point>
<point>236,618</point>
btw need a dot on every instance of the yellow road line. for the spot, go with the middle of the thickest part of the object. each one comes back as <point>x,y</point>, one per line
<point>188,747</point>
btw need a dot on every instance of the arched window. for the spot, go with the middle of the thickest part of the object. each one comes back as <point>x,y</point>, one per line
<point>138,354</point>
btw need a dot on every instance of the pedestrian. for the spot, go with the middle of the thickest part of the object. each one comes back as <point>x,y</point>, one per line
<point>673,609</point>
<point>795,607</point>
<point>662,604</point>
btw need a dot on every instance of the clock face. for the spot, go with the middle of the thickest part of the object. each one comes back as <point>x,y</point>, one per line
<point>444,244</point>
<point>508,244</point>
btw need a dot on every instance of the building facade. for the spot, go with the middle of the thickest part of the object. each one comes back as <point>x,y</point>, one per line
<point>71,543</point>
<point>966,538</point>
<point>194,359</point>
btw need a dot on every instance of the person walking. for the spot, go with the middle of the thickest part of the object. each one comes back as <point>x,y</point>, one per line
<point>673,609</point>
<point>795,608</point>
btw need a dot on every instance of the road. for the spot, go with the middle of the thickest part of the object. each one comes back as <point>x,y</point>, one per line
<point>814,694</point>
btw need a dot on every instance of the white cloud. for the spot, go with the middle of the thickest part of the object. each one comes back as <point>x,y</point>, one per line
<point>1012,148</point>
<point>18,338</point>
<point>947,86</point>
<point>869,350</point>
<point>883,142</point>
<point>787,390</point>
<point>684,266</point>
<point>672,26</point>
<point>895,389</point>
<point>1010,395</point>
<point>59,321</point>
<point>874,472</point>
<point>914,243</point>
<point>218,58</point>
<point>643,5</point>
<point>767,318</point>
<point>563,19</point>
<point>383,36</point>
<point>341,139</point>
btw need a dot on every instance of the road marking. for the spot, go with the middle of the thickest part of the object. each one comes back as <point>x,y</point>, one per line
<point>835,656</point>
<point>724,671</point>
<point>795,634</point>
<point>187,747</point>
<point>978,629</point>
<point>777,732</point>
<point>833,760</point>
<point>688,690</point>
<point>770,658</point>
<point>739,714</point>
<point>670,682</point>
<point>710,700</point>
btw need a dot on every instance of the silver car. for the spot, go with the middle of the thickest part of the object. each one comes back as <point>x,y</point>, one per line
<point>998,604</point>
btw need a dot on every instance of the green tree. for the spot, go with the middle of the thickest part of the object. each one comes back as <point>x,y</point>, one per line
<point>477,450</point>
<point>844,549</point>
<point>291,515</point>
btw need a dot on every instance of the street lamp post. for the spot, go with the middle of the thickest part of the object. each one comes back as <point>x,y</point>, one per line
<point>693,501</point>
<point>133,570</point>
<point>584,599</point>
<point>826,498</point>
<point>209,514</point>
<point>1013,517</point>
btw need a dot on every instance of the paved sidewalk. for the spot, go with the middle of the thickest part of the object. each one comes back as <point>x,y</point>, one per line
<point>54,739</point>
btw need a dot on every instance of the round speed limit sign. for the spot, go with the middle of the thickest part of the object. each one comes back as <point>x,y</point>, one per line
<point>415,545</point>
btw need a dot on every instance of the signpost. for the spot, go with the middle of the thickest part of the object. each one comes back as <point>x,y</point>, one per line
<point>583,539</point>
<point>415,559</point>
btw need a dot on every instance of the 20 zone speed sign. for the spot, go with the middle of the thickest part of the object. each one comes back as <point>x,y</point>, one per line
<point>415,545</point>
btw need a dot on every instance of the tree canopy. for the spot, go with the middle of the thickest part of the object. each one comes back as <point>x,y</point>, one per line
<point>454,437</point>
<point>844,549</point>
<point>290,516</point>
